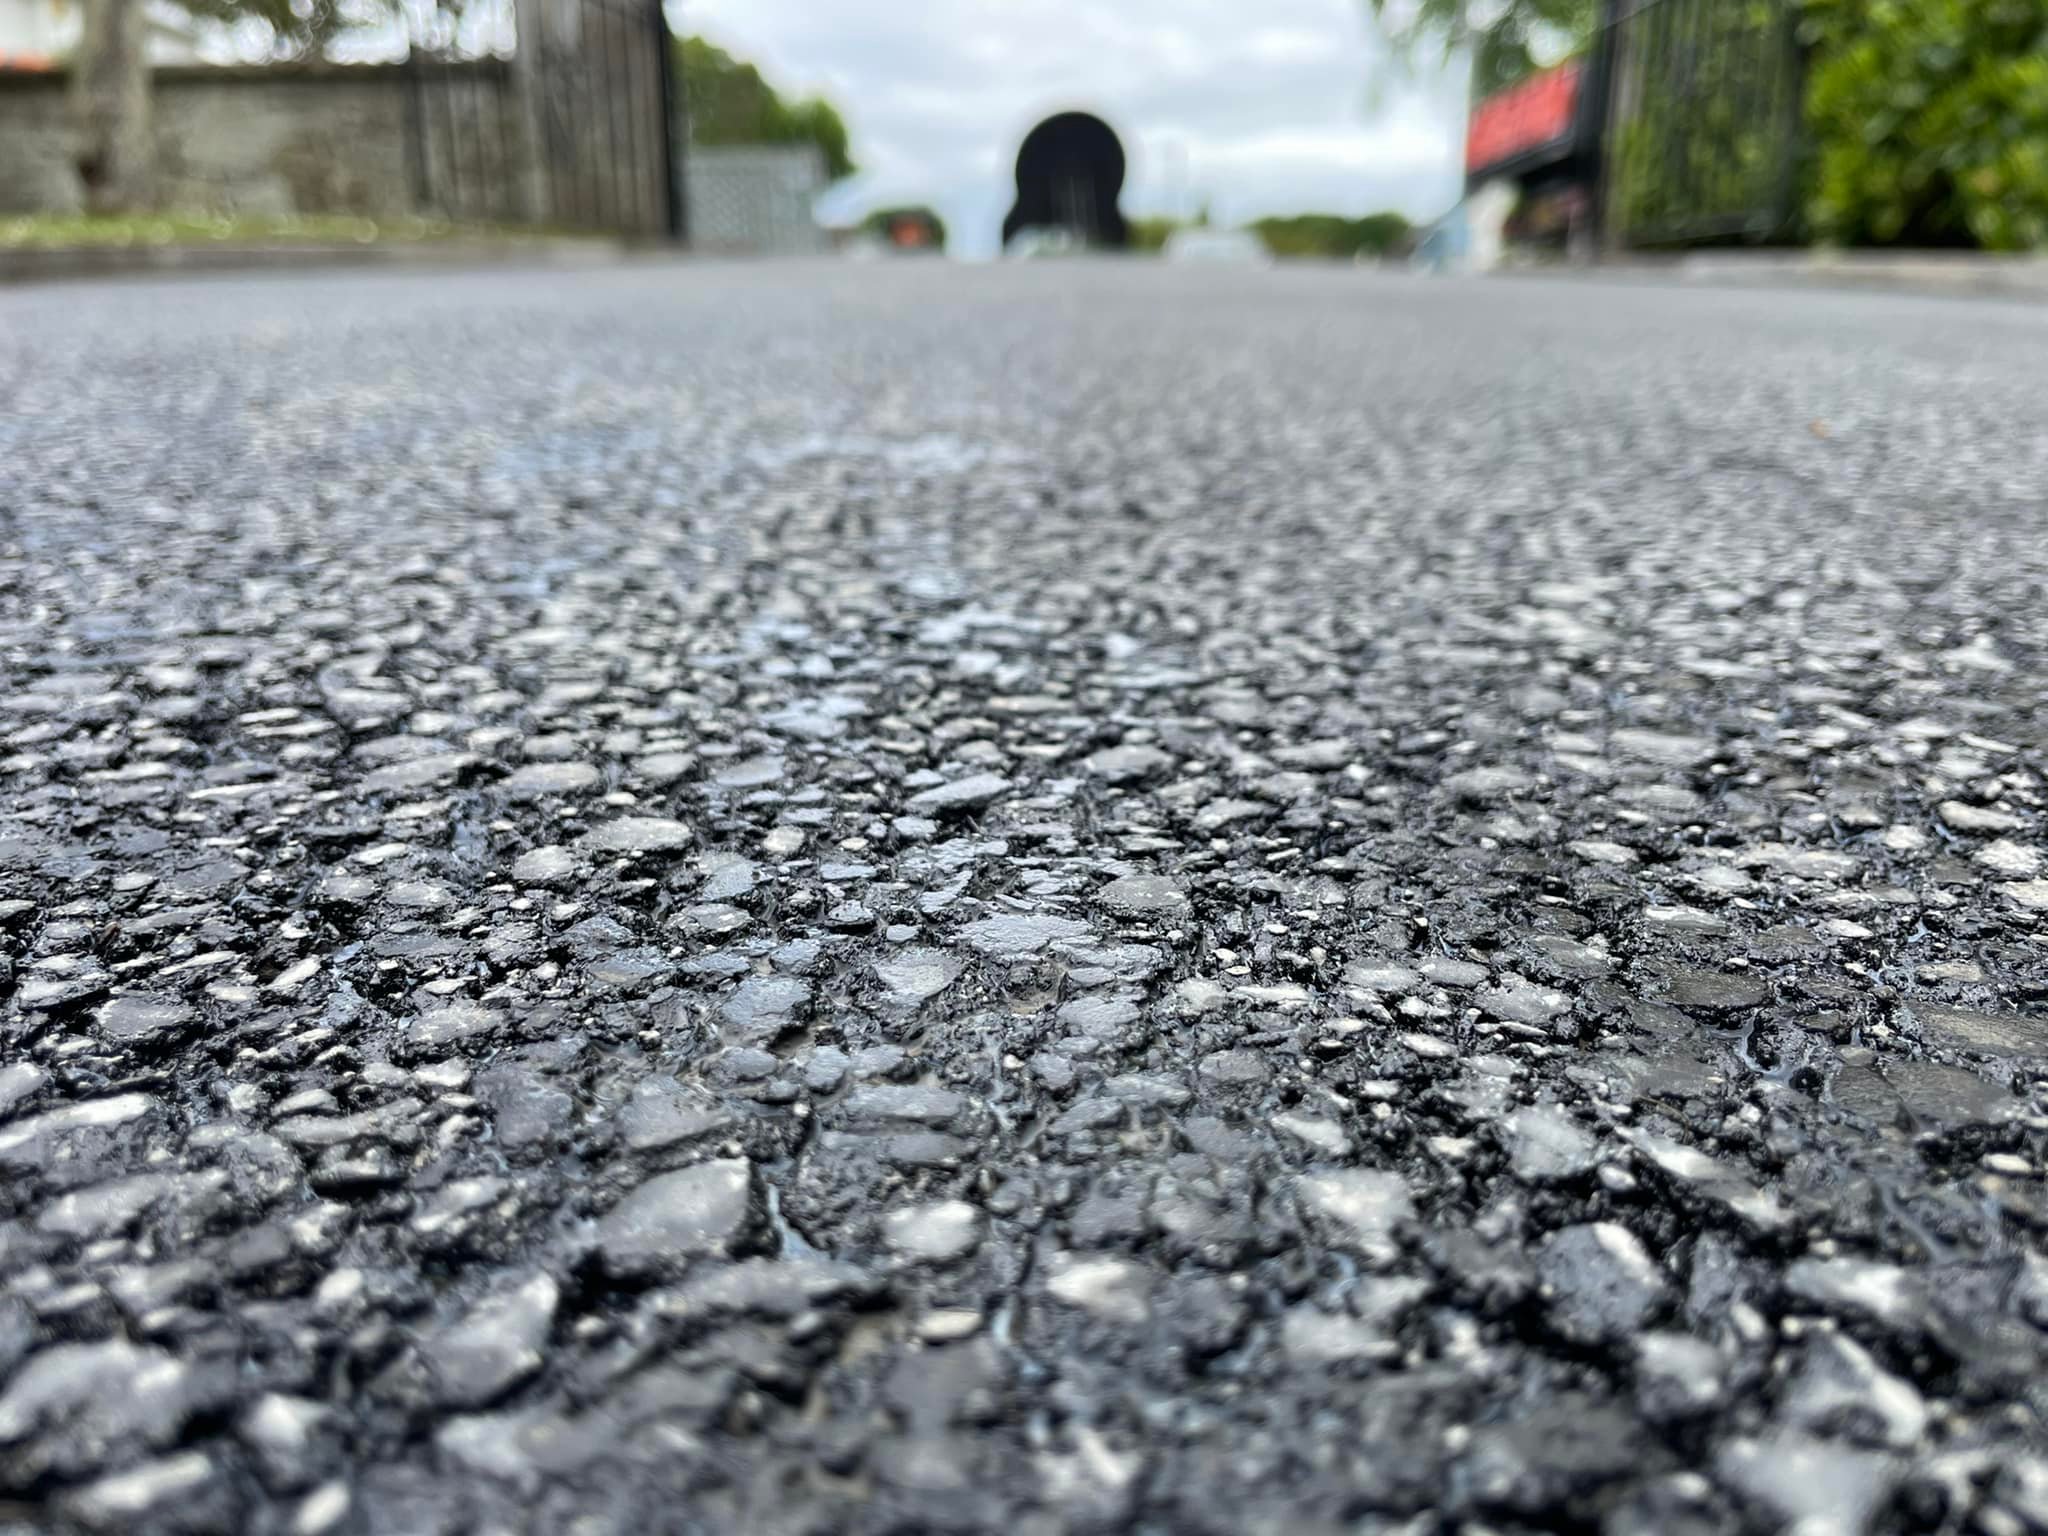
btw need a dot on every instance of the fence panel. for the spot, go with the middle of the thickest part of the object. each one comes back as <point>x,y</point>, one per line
<point>572,132</point>
<point>466,148</point>
<point>603,106</point>
<point>1703,137</point>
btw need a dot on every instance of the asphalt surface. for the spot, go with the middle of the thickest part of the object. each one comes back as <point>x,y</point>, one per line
<point>1068,899</point>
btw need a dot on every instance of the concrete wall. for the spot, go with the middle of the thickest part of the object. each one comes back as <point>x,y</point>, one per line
<point>576,141</point>
<point>755,199</point>
<point>35,146</point>
<point>363,139</point>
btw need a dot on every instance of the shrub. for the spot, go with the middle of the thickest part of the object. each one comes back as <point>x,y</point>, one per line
<point>1150,234</point>
<point>1929,120</point>
<point>1333,235</point>
<point>729,103</point>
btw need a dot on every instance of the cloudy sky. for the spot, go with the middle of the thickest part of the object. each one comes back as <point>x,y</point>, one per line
<point>1257,106</point>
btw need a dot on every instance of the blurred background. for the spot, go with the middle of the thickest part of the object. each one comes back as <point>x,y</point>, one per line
<point>1450,134</point>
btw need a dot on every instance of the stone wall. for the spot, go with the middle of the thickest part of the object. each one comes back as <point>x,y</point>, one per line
<point>363,139</point>
<point>35,163</point>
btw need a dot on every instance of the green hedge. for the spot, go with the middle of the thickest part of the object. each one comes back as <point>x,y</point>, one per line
<point>1929,120</point>
<point>1333,235</point>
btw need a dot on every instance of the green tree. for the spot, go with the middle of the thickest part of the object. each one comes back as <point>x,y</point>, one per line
<point>1505,42</point>
<point>1331,235</point>
<point>729,103</point>
<point>1929,121</point>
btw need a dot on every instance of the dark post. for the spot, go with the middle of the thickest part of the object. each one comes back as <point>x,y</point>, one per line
<point>1596,123</point>
<point>674,127</point>
<point>1791,71</point>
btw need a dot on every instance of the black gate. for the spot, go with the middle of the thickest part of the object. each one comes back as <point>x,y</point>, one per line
<point>1703,137</point>
<point>465,139</point>
<point>571,132</point>
<point>602,103</point>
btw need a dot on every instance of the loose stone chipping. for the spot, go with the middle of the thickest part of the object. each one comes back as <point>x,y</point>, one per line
<point>618,906</point>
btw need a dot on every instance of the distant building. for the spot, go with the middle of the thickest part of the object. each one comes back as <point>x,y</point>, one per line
<point>1542,138</point>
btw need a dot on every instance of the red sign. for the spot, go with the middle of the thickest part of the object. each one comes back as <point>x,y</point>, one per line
<point>1528,116</point>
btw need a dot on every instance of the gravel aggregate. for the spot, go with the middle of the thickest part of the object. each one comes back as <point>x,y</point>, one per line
<point>1067,898</point>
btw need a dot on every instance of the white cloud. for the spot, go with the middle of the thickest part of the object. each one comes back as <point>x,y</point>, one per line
<point>1255,108</point>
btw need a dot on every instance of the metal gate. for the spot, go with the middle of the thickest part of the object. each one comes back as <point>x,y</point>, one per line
<point>1703,138</point>
<point>464,137</point>
<point>572,131</point>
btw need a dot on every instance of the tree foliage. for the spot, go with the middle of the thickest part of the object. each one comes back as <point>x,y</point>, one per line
<point>1326,235</point>
<point>1151,233</point>
<point>729,103</point>
<point>1929,121</point>
<point>1332,235</point>
<point>296,29</point>
<point>1507,41</point>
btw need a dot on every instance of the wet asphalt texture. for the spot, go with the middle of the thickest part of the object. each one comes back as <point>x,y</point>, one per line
<point>901,899</point>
